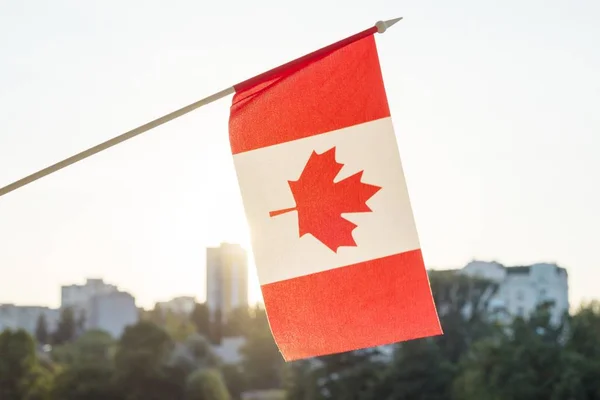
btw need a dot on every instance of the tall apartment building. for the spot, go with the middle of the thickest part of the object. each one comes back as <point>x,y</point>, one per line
<point>522,288</point>
<point>226,278</point>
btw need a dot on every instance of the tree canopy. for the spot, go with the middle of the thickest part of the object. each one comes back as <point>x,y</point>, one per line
<point>479,356</point>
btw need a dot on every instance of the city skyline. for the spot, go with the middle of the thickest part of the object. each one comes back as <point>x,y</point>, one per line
<point>494,107</point>
<point>490,274</point>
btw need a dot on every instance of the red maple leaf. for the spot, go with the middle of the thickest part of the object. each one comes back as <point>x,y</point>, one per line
<point>320,201</point>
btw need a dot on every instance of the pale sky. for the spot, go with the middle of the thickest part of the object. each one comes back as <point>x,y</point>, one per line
<point>495,104</point>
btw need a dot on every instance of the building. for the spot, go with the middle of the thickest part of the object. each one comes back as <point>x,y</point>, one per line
<point>226,278</point>
<point>112,312</point>
<point>522,288</point>
<point>26,317</point>
<point>77,297</point>
<point>179,305</point>
<point>102,305</point>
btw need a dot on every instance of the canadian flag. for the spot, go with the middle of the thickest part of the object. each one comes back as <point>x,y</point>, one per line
<point>333,234</point>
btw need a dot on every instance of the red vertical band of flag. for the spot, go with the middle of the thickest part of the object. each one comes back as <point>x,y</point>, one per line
<point>338,90</point>
<point>301,62</point>
<point>368,304</point>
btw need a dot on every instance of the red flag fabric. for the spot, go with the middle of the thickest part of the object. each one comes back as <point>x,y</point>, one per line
<point>333,234</point>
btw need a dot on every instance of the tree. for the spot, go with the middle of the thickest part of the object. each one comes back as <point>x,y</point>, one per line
<point>80,324</point>
<point>39,384</point>
<point>262,362</point>
<point>584,342</point>
<point>141,364</point>
<point>156,316</point>
<point>194,353</point>
<point>237,322</point>
<point>422,368</point>
<point>418,370</point>
<point>178,326</point>
<point>216,327</point>
<point>527,362</point>
<point>41,330</point>
<point>463,305</point>
<point>350,375</point>
<point>88,368</point>
<point>93,347</point>
<point>66,329</point>
<point>200,317</point>
<point>235,380</point>
<point>206,384</point>
<point>86,382</point>
<point>301,380</point>
<point>21,376</point>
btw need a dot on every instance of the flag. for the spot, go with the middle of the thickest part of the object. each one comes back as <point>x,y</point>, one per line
<point>333,234</point>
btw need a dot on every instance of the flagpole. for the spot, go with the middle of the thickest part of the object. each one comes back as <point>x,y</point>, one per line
<point>380,27</point>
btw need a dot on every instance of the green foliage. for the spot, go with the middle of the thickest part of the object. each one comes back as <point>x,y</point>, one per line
<point>476,358</point>
<point>418,370</point>
<point>80,324</point>
<point>301,381</point>
<point>38,384</point>
<point>463,304</point>
<point>21,376</point>
<point>86,382</point>
<point>262,362</point>
<point>200,317</point>
<point>584,343</point>
<point>41,330</point>
<point>353,375</point>
<point>237,322</point>
<point>94,346</point>
<point>216,327</point>
<point>194,353</point>
<point>156,316</point>
<point>178,326</point>
<point>141,370</point>
<point>527,362</point>
<point>206,384</point>
<point>89,368</point>
<point>235,379</point>
<point>67,327</point>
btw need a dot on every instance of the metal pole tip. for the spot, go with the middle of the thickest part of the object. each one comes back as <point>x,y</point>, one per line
<point>382,26</point>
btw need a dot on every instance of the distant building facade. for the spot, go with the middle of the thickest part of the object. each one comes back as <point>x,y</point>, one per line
<point>179,305</point>
<point>26,317</point>
<point>226,278</point>
<point>77,297</point>
<point>102,305</point>
<point>521,289</point>
<point>112,312</point>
